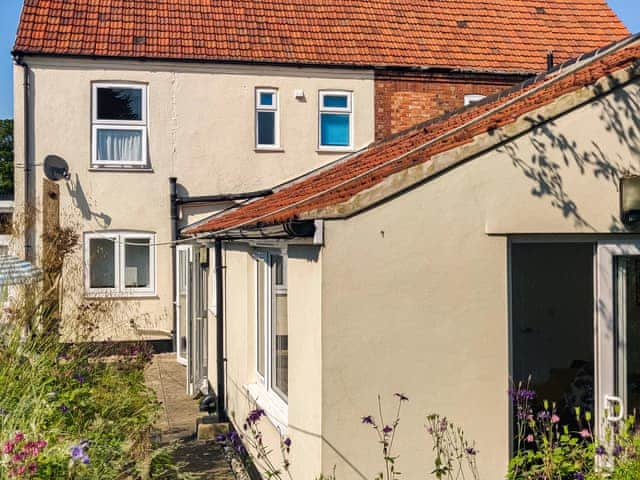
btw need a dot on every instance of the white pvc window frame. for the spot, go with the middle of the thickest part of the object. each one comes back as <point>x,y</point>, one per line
<point>98,124</point>
<point>264,260</point>
<point>120,240</point>
<point>275,108</point>
<point>348,110</point>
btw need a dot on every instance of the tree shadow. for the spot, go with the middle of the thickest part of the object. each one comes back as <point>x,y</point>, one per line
<point>79,200</point>
<point>555,150</point>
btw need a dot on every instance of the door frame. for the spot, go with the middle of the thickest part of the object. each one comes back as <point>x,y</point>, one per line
<point>611,346</point>
<point>188,249</point>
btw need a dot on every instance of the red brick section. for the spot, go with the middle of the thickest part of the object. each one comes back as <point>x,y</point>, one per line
<point>504,35</point>
<point>404,99</point>
<point>342,181</point>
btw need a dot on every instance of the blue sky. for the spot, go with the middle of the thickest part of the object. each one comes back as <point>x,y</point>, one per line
<point>628,10</point>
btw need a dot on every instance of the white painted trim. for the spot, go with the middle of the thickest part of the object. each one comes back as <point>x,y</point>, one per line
<point>183,361</point>
<point>473,98</point>
<point>348,110</point>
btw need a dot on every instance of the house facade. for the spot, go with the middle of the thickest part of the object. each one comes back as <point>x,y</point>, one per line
<point>164,116</point>
<point>491,244</point>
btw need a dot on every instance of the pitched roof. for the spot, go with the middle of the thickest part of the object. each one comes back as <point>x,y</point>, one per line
<point>343,180</point>
<point>504,35</point>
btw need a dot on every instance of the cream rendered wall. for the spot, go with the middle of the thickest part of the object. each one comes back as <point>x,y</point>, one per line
<point>415,290</point>
<point>200,129</point>
<point>304,417</point>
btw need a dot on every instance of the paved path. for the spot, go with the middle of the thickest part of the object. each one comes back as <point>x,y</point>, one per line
<point>178,421</point>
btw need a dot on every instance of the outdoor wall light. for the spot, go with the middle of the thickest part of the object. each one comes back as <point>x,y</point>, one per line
<point>630,200</point>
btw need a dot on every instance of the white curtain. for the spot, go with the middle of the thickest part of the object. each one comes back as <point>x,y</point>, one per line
<point>120,145</point>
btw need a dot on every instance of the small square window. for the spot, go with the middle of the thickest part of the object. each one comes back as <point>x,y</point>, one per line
<point>118,103</point>
<point>266,99</point>
<point>120,263</point>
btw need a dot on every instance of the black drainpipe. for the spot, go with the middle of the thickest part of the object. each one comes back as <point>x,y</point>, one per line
<point>28,228</point>
<point>173,195</point>
<point>221,400</point>
<point>550,60</point>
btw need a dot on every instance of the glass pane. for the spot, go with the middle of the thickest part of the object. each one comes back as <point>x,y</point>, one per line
<point>183,306</point>
<point>278,269</point>
<point>119,145</point>
<point>119,103</point>
<point>334,130</point>
<point>266,128</point>
<point>102,261</point>
<point>280,332</point>
<point>334,101</point>
<point>629,329</point>
<point>266,99</point>
<point>552,323</point>
<point>136,262</point>
<point>261,320</point>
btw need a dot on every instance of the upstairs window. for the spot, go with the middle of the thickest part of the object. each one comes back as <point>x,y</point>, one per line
<point>336,122</point>
<point>119,263</point>
<point>119,125</point>
<point>267,128</point>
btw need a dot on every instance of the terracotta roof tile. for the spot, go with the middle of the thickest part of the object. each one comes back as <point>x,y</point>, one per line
<point>346,178</point>
<point>505,35</point>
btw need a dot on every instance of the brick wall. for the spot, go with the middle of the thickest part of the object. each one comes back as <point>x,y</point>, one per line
<point>406,98</point>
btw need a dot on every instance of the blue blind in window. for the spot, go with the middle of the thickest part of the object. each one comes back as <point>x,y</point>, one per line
<point>334,101</point>
<point>334,130</point>
<point>266,99</point>
<point>266,128</point>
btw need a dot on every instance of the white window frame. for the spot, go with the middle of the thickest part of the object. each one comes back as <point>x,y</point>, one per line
<point>473,98</point>
<point>268,108</point>
<point>136,125</point>
<point>272,398</point>
<point>336,110</point>
<point>119,290</point>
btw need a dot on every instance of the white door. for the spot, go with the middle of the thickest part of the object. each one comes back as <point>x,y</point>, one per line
<point>617,331</point>
<point>183,305</point>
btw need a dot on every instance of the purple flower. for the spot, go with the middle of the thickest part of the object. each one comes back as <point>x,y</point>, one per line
<point>254,416</point>
<point>521,394</point>
<point>617,450</point>
<point>85,459</point>
<point>287,442</point>
<point>368,420</point>
<point>80,378</point>
<point>77,453</point>
<point>402,397</point>
<point>578,476</point>
<point>600,450</point>
<point>64,408</point>
<point>470,451</point>
<point>387,429</point>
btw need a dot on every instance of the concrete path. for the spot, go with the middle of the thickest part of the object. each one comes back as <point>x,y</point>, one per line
<point>205,460</point>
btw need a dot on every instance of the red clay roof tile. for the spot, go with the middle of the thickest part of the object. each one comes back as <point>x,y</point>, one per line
<point>346,178</point>
<point>505,35</point>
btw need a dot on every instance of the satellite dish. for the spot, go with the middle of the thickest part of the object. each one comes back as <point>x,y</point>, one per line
<point>56,168</point>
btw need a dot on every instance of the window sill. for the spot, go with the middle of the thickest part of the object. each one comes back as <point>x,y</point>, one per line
<point>268,149</point>
<point>121,169</point>
<point>121,296</point>
<point>275,408</point>
<point>335,150</point>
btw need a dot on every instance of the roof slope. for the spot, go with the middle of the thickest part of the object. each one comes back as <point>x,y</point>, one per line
<point>340,182</point>
<point>504,35</point>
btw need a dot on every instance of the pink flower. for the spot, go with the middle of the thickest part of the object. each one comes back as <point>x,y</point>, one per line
<point>8,447</point>
<point>41,444</point>
<point>530,438</point>
<point>555,418</point>
<point>584,433</point>
<point>19,436</point>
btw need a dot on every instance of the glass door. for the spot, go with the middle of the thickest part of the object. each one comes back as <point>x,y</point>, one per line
<point>618,336</point>
<point>183,310</point>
